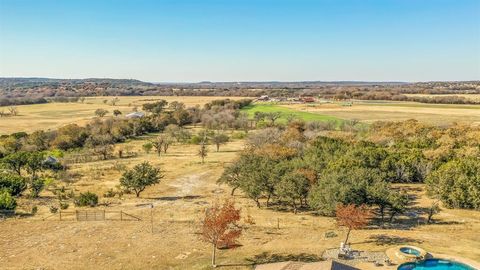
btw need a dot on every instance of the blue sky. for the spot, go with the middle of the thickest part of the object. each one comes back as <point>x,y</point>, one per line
<point>235,40</point>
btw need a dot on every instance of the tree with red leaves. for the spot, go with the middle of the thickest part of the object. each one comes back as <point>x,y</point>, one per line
<point>220,226</point>
<point>353,217</point>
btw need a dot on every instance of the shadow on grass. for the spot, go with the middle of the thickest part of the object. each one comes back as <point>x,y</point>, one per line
<point>267,257</point>
<point>384,239</point>
<point>235,265</point>
<point>174,198</point>
<point>231,246</point>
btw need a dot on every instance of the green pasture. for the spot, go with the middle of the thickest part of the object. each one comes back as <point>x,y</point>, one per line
<point>286,112</point>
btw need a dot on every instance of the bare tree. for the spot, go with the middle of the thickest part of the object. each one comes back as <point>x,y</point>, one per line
<point>432,210</point>
<point>273,116</point>
<point>13,111</point>
<point>203,152</point>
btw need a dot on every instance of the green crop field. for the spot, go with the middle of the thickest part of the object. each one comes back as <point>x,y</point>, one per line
<point>306,116</point>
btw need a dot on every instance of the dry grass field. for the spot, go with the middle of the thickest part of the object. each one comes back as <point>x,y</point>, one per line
<point>53,115</point>
<point>29,242</point>
<point>180,198</point>
<point>370,111</point>
<point>475,97</point>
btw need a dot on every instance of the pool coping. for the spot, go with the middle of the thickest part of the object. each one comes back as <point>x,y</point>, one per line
<point>469,262</point>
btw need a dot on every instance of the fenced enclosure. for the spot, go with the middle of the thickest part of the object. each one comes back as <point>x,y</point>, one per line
<point>94,215</point>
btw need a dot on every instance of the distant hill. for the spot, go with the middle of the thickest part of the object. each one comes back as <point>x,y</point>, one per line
<point>33,82</point>
<point>35,90</point>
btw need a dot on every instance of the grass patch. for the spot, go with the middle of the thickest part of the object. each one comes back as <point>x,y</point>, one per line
<point>306,116</point>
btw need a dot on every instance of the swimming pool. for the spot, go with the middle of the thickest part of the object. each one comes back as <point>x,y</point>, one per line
<point>437,264</point>
<point>409,250</point>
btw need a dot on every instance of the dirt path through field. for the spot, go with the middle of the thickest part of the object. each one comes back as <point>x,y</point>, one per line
<point>185,185</point>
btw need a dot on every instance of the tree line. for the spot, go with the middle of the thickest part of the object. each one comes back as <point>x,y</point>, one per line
<point>304,166</point>
<point>23,91</point>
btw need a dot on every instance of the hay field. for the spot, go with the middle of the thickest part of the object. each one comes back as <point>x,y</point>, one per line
<point>180,198</point>
<point>475,97</point>
<point>53,115</point>
<point>369,111</point>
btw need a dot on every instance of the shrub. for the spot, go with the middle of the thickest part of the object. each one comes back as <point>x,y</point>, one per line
<point>239,135</point>
<point>64,205</point>
<point>87,199</point>
<point>109,194</point>
<point>36,187</point>
<point>147,147</point>
<point>7,202</point>
<point>34,210</point>
<point>53,209</point>
<point>195,140</point>
<point>15,184</point>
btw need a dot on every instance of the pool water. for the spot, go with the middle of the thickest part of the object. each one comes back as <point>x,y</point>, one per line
<point>437,264</point>
<point>410,251</point>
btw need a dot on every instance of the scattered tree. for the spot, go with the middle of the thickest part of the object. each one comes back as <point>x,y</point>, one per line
<point>16,161</point>
<point>220,226</point>
<point>353,217</point>
<point>117,112</point>
<point>36,186</point>
<point>140,177</point>
<point>203,151</point>
<point>273,116</point>
<point>100,112</point>
<point>432,210</point>
<point>219,139</point>
<point>147,147</point>
<point>155,108</point>
<point>13,111</point>
<point>101,145</point>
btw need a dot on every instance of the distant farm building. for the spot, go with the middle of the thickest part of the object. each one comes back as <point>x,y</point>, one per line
<point>135,115</point>
<point>307,99</point>
<point>263,98</point>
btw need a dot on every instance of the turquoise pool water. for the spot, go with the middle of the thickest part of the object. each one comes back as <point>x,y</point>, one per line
<point>411,251</point>
<point>437,264</point>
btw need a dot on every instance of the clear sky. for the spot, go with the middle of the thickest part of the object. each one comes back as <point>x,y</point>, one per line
<point>235,40</point>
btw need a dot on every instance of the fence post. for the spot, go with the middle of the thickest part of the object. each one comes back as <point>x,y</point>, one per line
<point>278,223</point>
<point>121,215</point>
<point>60,215</point>
<point>151,216</point>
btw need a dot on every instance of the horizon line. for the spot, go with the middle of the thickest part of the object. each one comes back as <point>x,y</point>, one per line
<point>238,82</point>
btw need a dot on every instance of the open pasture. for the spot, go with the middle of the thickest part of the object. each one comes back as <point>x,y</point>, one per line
<point>475,97</point>
<point>287,112</point>
<point>50,116</point>
<point>179,201</point>
<point>370,111</point>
